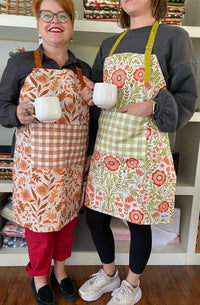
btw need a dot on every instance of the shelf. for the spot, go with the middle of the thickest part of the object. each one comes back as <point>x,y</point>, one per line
<point>6,187</point>
<point>24,28</point>
<point>84,251</point>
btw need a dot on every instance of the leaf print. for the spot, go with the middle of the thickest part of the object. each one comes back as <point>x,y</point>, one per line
<point>33,95</point>
<point>34,194</point>
<point>44,92</point>
<point>41,78</point>
<point>33,81</point>
<point>54,85</point>
<point>61,96</point>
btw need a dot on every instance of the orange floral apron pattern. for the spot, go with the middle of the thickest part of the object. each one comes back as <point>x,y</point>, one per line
<point>132,173</point>
<point>49,157</point>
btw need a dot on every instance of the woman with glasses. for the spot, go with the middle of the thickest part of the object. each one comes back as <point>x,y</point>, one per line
<point>49,158</point>
<point>132,175</point>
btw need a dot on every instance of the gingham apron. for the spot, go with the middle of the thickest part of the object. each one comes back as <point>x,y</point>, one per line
<point>50,157</point>
<point>132,174</point>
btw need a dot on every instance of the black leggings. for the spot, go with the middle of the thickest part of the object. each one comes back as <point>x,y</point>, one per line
<point>140,245</point>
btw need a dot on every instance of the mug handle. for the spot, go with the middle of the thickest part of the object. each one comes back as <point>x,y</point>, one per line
<point>33,103</point>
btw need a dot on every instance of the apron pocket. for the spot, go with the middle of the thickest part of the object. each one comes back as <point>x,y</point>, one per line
<point>121,134</point>
<point>55,146</point>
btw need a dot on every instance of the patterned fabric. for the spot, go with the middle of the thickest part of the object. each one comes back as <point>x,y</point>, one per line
<point>138,189</point>
<point>14,242</point>
<point>13,229</point>
<point>69,142</point>
<point>116,134</point>
<point>50,157</point>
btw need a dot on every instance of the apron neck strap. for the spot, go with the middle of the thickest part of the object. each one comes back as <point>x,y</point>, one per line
<point>38,64</point>
<point>118,41</point>
<point>148,49</point>
<point>37,58</point>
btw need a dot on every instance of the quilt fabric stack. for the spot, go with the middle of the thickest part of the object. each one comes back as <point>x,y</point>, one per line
<point>176,12</point>
<point>13,234</point>
<point>101,9</point>
<point>6,165</point>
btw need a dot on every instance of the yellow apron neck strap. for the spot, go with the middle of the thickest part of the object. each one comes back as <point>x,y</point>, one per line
<point>117,42</point>
<point>148,52</point>
<point>148,49</point>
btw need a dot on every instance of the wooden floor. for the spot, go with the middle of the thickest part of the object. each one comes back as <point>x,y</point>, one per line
<point>161,285</point>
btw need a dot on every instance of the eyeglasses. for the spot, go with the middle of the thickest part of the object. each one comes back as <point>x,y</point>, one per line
<point>62,16</point>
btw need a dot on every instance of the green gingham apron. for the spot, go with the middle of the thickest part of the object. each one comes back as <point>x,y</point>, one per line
<point>132,174</point>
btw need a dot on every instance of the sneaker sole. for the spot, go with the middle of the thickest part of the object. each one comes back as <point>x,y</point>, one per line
<point>100,292</point>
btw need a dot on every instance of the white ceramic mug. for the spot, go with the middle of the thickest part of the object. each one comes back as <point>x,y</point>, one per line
<point>105,95</point>
<point>47,108</point>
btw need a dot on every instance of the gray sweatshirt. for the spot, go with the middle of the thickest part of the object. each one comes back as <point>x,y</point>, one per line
<point>173,48</point>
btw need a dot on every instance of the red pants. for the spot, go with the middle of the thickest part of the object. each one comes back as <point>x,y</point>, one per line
<point>43,247</point>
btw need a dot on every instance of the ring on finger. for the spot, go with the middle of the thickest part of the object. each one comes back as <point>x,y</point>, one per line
<point>27,112</point>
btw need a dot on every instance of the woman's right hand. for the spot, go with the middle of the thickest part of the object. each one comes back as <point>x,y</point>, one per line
<point>87,93</point>
<point>24,112</point>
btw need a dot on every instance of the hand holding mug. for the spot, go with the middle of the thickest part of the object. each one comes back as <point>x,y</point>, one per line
<point>25,111</point>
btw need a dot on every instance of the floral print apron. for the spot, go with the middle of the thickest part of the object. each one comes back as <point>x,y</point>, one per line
<point>132,174</point>
<point>49,157</point>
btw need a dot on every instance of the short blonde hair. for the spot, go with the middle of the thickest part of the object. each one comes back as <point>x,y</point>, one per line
<point>67,5</point>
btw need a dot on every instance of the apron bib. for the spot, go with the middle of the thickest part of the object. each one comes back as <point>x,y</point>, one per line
<point>49,157</point>
<point>132,174</point>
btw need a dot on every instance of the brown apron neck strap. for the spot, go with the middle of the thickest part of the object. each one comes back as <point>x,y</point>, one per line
<point>80,76</point>
<point>37,58</point>
<point>38,64</point>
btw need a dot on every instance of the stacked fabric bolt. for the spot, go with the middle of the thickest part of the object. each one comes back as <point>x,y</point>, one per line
<point>100,10</point>
<point>13,234</point>
<point>6,165</point>
<point>176,12</point>
<point>162,234</point>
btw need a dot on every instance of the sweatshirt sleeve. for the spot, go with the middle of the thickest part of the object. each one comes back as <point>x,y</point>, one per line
<point>176,104</point>
<point>9,95</point>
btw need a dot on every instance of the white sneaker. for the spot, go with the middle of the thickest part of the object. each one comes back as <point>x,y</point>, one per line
<point>125,294</point>
<point>99,284</point>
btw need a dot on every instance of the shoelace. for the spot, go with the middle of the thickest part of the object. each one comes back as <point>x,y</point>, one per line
<point>122,292</point>
<point>97,277</point>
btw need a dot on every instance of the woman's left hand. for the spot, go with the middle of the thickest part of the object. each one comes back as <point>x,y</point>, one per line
<point>138,109</point>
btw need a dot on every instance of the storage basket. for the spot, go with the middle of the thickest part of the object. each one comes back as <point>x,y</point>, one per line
<point>17,7</point>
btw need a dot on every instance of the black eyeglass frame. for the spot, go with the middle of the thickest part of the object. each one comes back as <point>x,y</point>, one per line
<point>54,14</point>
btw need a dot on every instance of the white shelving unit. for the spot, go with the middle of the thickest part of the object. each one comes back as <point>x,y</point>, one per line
<point>87,38</point>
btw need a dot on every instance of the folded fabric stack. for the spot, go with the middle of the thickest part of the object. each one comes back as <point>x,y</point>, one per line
<point>162,234</point>
<point>101,9</point>
<point>176,12</point>
<point>13,234</point>
<point>6,166</point>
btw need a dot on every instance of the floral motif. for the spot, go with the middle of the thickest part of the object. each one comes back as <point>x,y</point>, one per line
<point>111,163</point>
<point>138,75</point>
<point>119,77</point>
<point>132,163</point>
<point>139,190</point>
<point>39,202</point>
<point>136,216</point>
<point>159,177</point>
<point>163,206</point>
